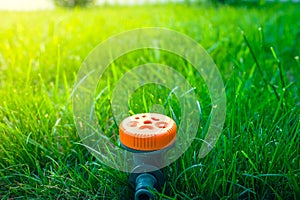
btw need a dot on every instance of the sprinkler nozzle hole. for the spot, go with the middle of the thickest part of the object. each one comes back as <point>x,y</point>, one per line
<point>146,127</point>
<point>155,119</point>
<point>147,122</point>
<point>133,123</point>
<point>161,124</point>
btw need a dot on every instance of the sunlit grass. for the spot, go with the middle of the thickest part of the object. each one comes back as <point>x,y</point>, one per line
<point>256,50</point>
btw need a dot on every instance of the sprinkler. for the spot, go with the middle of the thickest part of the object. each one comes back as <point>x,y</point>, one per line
<point>148,136</point>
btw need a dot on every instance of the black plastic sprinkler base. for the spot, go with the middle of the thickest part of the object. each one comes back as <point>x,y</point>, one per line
<point>145,182</point>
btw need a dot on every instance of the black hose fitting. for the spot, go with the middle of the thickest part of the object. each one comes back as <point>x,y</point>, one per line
<point>146,182</point>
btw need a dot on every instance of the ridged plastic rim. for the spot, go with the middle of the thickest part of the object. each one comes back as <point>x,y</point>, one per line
<point>147,131</point>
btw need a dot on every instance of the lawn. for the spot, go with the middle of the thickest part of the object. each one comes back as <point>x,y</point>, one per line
<point>256,49</point>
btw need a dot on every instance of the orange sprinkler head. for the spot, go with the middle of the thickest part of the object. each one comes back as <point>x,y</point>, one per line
<point>147,132</point>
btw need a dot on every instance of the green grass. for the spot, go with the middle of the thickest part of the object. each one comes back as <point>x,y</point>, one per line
<point>256,49</point>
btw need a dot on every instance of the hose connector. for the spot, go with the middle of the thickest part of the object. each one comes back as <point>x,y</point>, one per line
<point>145,183</point>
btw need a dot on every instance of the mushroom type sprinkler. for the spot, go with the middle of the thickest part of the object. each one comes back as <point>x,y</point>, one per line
<point>149,136</point>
